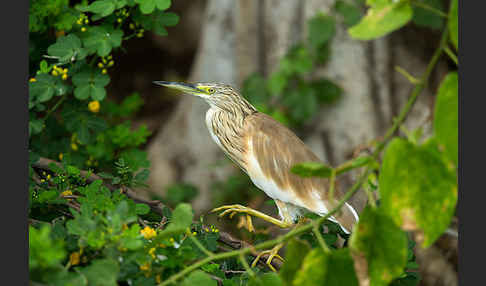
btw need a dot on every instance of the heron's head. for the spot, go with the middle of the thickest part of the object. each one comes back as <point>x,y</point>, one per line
<point>216,94</point>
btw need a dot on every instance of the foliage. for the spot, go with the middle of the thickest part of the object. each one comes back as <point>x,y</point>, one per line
<point>289,94</point>
<point>86,231</point>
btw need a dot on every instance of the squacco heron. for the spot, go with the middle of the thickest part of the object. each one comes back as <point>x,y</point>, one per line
<point>265,150</point>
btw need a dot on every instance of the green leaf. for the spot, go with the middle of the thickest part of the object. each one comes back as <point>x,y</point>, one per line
<point>90,83</point>
<point>142,209</point>
<point>199,278</point>
<point>180,221</point>
<point>43,251</point>
<point>334,268</point>
<point>298,60</point>
<point>45,87</point>
<point>350,12</point>
<point>296,251</point>
<point>415,186</point>
<point>148,6</point>
<point>311,169</point>
<point>446,116</point>
<point>67,48</point>
<point>102,7</point>
<point>321,29</point>
<point>382,18</point>
<point>326,90</point>
<point>380,246</point>
<point>453,24</point>
<point>102,272</point>
<point>254,89</point>
<point>36,126</point>
<point>102,39</point>
<point>266,279</point>
<point>302,103</point>
<point>427,18</point>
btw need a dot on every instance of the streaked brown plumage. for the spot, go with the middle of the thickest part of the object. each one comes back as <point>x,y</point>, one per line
<point>266,150</point>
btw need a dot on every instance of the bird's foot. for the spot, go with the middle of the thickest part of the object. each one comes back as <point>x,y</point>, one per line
<point>231,210</point>
<point>272,253</point>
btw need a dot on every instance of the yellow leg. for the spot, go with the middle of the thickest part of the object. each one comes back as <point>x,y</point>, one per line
<point>234,209</point>
<point>272,253</point>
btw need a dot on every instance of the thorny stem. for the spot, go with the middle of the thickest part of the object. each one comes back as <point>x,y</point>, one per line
<point>304,228</point>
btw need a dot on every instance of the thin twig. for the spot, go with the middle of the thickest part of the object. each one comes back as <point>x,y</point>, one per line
<point>451,54</point>
<point>320,239</point>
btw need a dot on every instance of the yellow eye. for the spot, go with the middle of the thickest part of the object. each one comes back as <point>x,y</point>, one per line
<point>210,90</point>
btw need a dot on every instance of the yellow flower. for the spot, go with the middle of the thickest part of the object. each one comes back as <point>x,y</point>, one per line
<point>48,177</point>
<point>148,232</point>
<point>151,252</point>
<point>100,65</point>
<point>54,72</point>
<point>111,63</point>
<point>74,258</point>
<point>83,29</point>
<point>94,106</point>
<point>145,266</point>
<point>32,79</point>
<point>86,21</point>
<point>119,20</point>
<point>171,240</point>
<point>131,26</point>
<point>61,156</point>
<point>66,193</point>
<point>64,76</point>
<point>65,70</point>
<point>104,71</point>
<point>74,146</point>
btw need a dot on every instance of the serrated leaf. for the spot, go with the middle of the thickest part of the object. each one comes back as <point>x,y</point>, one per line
<point>453,24</point>
<point>381,19</point>
<point>199,278</point>
<point>416,186</point>
<point>319,268</point>
<point>321,29</point>
<point>296,251</point>
<point>446,116</point>
<point>311,169</point>
<point>383,245</point>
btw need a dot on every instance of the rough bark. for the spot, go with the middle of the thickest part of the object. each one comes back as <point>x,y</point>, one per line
<point>241,37</point>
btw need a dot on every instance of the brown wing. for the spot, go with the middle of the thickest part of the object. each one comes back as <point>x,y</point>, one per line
<point>276,149</point>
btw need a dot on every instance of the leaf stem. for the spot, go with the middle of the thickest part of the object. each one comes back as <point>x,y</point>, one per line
<point>199,245</point>
<point>320,239</point>
<point>58,103</point>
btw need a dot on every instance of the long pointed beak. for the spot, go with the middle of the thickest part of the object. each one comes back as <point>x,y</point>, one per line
<point>182,86</point>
